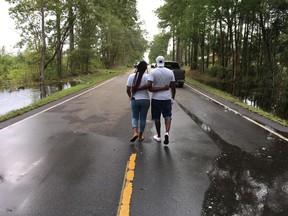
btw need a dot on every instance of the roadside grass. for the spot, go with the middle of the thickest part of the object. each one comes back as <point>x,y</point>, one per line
<point>87,80</point>
<point>234,100</point>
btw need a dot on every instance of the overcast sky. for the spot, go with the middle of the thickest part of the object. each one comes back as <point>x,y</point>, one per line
<point>146,11</point>
<point>9,36</point>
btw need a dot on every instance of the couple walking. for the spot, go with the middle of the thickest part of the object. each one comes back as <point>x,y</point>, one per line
<point>161,82</point>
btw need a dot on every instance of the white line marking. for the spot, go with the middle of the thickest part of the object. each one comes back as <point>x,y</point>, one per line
<point>85,92</point>
<point>236,112</point>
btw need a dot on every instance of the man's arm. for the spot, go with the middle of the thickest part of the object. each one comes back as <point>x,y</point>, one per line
<point>148,86</point>
<point>157,89</point>
<point>173,89</point>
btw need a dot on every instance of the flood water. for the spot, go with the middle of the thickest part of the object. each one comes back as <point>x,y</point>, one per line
<point>270,100</point>
<point>22,97</point>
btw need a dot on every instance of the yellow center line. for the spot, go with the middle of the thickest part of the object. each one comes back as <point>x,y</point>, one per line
<point>126,194</point>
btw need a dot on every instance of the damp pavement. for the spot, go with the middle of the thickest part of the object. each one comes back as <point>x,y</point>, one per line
<point>70,158</point>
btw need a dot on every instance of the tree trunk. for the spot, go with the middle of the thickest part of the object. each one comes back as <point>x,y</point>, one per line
<point>58,47</point>
<point>173,47</point>
<point>259,56</point>
<point>245,55</point>
<point>214,42</point>
<point>71,38</point>
<point>189,60</point>
<point>231,48</point>
<point>222,55</point>
<point>178,51</point>
<point>267,50</point>
<point>202,53</point>
<point>187,49</point>
<point>43,52</point>
<point>195,57</point>
<point>208,51</point>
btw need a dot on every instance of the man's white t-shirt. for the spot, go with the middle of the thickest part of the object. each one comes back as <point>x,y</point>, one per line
<point>160,77</point>
<point>142,94</point>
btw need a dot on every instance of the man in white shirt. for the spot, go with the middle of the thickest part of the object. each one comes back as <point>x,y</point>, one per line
<point>162,101</point>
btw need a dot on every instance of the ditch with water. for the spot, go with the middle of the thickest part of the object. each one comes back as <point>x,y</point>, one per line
<point>17,98</point>
<point>270,100</point>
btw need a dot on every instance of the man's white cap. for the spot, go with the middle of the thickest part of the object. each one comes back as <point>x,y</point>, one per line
<point>160,60</point>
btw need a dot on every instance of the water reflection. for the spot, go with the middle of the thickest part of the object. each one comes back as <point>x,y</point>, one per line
<point>21,97</point>
<point>242,183</point>
<point>249,184</point>
<point>17,99</point>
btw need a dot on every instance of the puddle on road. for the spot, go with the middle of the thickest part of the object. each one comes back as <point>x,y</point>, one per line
<point>246,183</point>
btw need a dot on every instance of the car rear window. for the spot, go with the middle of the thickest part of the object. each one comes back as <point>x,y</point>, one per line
<point>172,65</point>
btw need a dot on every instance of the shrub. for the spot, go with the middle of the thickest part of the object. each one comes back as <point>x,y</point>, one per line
<point>214,70</point>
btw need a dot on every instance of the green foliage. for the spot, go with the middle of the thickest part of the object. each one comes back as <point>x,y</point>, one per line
<point>223,73</point>
<point>248,39</point>
<point>214,70</point>
<point>5,64</point>
<point>20,69</point>
<point>120,44</point>
<point>159,46</point>
<point>99,33</point>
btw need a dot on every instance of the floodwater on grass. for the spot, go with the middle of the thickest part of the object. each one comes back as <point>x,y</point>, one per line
<point>22,96</point>
<point>270,100</point>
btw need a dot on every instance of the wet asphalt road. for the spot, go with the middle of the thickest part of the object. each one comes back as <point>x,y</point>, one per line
<point>70,159</point>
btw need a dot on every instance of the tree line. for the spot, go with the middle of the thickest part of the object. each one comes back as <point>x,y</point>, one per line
<point>233,39</point>
<point>70,37</point>
<point>241,42</point>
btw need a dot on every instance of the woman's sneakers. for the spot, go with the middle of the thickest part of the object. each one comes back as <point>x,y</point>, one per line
<point>166,138</point>
<point>158,139</point>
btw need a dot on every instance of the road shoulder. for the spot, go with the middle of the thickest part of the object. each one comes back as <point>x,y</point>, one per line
<point>242,111</point>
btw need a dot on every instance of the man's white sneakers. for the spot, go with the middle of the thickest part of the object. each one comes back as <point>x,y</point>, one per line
<point>166,138</point>
<point>158,139</point>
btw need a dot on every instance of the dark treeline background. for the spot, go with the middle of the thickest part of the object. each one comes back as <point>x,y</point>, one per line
<point>71,37</point>
<point>244,42</point>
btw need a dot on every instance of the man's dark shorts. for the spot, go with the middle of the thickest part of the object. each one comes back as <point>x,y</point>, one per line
<point>159,107</point>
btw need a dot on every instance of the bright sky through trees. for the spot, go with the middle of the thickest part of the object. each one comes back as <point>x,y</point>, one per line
<point>9,36</point>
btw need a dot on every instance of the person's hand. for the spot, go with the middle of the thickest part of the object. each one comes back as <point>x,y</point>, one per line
<point>172,101</point>
<point>166,87</point>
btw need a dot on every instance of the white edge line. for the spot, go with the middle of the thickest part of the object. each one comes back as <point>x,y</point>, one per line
<point>247,118</point>
<point>78,95</point>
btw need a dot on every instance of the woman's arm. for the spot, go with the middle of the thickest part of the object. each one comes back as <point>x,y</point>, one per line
<point>128,91</point>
